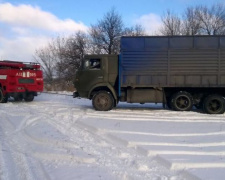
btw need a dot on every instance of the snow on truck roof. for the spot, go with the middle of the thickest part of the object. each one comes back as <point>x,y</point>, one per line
<point>19,64</point>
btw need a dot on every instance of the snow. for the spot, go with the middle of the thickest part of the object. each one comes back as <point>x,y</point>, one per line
<point>58,137</point>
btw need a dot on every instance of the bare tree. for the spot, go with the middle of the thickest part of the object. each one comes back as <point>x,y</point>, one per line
<point>72,53</point>
<point>219,19</point>
<point>212,19</point>
<point>191,22</point>
<point>107,32</point>
<point>59,45</point>
<point>171,24</point>
<point>61,58</point>
<point>136,30</point>
<point>48,59</point>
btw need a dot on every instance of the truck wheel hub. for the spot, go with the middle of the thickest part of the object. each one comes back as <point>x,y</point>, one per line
<point>103,101</point>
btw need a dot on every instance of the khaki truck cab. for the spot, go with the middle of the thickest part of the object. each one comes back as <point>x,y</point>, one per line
<point>96,80</point>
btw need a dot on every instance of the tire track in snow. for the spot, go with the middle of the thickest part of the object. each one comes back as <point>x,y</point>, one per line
<point>14,159</point>
<point>166,134</point>
<point>93,143</point>
<point>176,166</point>
<point>5,159</point>
<point>68,146</point>
<point>125,163</point>
<point>135,167</point>
<point>18,160</point>
<point>132,117</point>
<point>168,116</point>
<point>138,164</point>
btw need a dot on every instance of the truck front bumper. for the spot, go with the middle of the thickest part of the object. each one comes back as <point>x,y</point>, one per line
<point>76,94</point>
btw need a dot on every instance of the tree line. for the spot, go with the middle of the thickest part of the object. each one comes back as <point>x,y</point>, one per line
<point>199,20</point>
<point>61,57</point>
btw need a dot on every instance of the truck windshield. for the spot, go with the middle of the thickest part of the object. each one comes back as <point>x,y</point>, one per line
<point>92,64</point>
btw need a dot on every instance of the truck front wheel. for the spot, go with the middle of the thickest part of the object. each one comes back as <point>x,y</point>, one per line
<point>182,101</point>
<point>214,104</point>
<point>103,101</point>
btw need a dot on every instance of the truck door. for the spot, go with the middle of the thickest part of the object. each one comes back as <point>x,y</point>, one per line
<point>92,73</point>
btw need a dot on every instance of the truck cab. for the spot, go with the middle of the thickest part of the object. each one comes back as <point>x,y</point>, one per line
<point>98,73</point>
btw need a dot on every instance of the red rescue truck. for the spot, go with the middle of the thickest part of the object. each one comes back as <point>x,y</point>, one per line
<point>20,80</point>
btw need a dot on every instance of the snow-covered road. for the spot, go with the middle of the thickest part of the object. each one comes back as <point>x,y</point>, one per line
<point>57,137</point>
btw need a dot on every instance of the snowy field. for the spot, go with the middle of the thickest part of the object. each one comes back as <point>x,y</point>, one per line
<point>57,137</point>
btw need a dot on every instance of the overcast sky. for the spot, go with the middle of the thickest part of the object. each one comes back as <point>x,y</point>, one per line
<point>26,25</point>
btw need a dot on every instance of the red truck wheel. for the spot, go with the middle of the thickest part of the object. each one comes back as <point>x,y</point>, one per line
<point>18,98</point>
<point>3,99</point>
<point>29,97</point>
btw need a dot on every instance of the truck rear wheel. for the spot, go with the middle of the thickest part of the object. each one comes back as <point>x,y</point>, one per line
<point>3,99</point>
<point>18,97</point>
<point>182,101</point>
<point>103,101</point>
<point>214,104</point>
<point>29,97</point>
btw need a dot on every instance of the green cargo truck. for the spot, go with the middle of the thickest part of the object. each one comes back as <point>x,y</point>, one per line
<point>181,72</point>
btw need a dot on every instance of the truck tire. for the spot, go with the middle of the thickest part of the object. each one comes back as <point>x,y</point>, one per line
<point>29,97</point>
<point>182,101</point>
<point>214,104</point>
<point>3,99</point>
<point>18,98</point>
<point>103,101</point>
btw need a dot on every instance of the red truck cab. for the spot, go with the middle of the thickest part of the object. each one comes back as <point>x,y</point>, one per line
<point>20,80</point>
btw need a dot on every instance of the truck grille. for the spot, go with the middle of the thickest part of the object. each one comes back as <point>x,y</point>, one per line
<point>26,81</point>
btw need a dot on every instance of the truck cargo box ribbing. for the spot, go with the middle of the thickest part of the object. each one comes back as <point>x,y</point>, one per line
<point>173,61</point>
